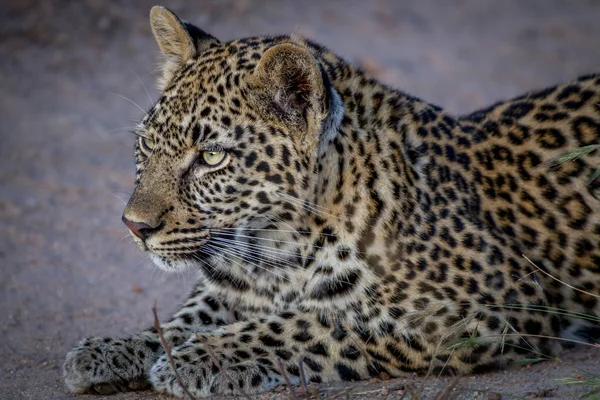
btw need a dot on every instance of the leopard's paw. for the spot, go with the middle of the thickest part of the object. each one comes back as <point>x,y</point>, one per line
<point>106,366</point>
<point>204,374</point>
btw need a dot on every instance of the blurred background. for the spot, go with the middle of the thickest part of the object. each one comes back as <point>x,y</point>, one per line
<point>75,76</point>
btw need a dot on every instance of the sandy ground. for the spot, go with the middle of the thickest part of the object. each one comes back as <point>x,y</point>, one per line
<point>68,268</point>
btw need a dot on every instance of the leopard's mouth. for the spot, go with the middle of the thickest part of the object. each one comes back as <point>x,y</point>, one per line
<point>206,247</point>
<point>141,244</point>
<point>176,247</point>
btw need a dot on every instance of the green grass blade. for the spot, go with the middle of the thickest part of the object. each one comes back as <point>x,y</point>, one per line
<point>574,154</point>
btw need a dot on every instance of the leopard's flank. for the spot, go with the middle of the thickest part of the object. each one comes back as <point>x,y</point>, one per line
<point>345,224</point>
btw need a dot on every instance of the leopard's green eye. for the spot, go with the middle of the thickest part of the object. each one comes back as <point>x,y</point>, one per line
<point>213,158</point>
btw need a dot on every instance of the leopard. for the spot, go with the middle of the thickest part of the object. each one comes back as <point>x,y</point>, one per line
<point>344,230</point>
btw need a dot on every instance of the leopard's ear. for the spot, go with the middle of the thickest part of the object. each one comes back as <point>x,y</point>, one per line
<point>291,86</point>
<point>178,40</point>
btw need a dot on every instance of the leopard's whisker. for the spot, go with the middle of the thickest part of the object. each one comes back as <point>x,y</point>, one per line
<point>275,263</point>
<point>234,240</point>
<point>214,253</point>
<point>256,256</point>
<point>123,128</point>
<point>297,244</point>
<point>229,252</point>
<point>128,100</point>
<point>144,86</point>
<point>301,233</point>
<point>307,207</point>
<point>270,249</point>
<point>127,235</point>
<point>308,203</point>
<point>268,239</point>
<point>139,134</point>
<point>281,221</point>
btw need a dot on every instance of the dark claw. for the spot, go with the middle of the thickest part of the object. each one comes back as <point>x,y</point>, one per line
<point>116,387</point>
<point>104,389</point>
<point>139,384</point>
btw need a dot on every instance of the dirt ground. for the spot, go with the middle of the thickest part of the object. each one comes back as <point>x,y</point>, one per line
<point>68,268</point>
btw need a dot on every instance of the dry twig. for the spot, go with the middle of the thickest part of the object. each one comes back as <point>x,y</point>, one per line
<point>167,348</point>
<point>288,383</point>
<point>447,393</point>
<point>303,377</point>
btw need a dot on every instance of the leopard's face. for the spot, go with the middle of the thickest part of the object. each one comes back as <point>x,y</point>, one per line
<point>215,157</point>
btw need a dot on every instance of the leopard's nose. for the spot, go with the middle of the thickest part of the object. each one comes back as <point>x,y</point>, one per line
<point>139,229</point>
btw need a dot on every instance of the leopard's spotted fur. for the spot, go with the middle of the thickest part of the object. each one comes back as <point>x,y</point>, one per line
<point>350,225</point>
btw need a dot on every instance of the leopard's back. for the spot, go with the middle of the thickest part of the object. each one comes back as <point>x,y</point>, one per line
<point>532,191</point>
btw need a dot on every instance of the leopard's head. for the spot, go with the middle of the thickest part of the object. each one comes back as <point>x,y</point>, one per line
<point>231,144</point>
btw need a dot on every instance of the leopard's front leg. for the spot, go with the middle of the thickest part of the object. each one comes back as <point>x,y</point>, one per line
<point>252,356</point>
<point>107,365</point>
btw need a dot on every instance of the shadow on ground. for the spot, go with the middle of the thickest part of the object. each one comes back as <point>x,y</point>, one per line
<point>66,165</point>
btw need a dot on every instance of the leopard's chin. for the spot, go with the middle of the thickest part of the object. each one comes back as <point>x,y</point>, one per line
<point>172,265</point>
